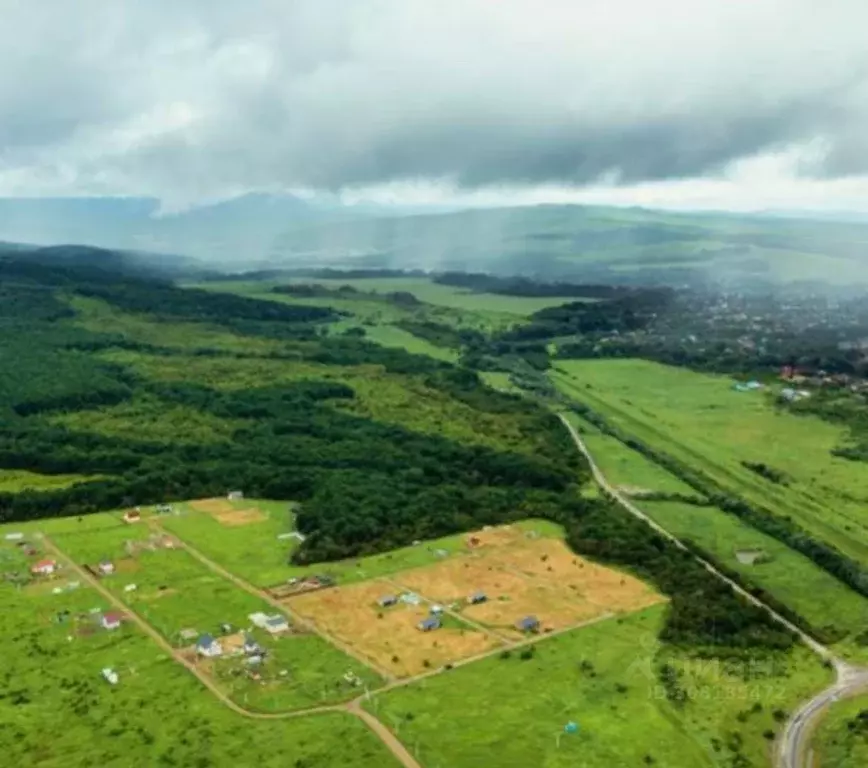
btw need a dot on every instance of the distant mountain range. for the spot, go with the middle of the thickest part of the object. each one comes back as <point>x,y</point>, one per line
<point>552,242</point>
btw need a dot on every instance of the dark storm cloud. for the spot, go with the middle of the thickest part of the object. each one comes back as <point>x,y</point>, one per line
<point>194,99</point>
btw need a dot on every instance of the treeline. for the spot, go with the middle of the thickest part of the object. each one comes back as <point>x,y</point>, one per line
<point>629,312</point>
<point>704,611</point>
<point>781,528</point>
<point>479,282</point>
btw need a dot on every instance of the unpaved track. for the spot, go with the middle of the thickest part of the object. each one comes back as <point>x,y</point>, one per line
<point>353,707</point>
<point>792,749</point>
<point>282,607</point>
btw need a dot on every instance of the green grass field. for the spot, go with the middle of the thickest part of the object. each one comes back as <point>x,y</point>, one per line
<point>605,679</point>
<point>16,480</point>
<point>702,421</point>
<point>158,714</point>
<point>835,744</point>
<point>625,468</point>
<point>255,553</point>
<point>790,577</point>
<point>176,592</point>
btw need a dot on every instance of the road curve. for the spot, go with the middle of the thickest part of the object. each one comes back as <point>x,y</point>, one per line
<point>792,746</point>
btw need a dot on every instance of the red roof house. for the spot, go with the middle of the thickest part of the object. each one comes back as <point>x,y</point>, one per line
<point>44,567</point>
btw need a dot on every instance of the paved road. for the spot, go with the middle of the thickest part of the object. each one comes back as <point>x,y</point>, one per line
<point>792,748</point>
<point>794,745</point>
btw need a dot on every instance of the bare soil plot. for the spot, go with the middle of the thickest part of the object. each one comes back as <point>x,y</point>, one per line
<point>212,506</point>
<point>240,517</point>
<point>225,513</point>
<point>388,636</point>
<point>540,578</point>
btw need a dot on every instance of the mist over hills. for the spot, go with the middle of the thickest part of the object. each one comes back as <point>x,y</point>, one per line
<point>550,242</point>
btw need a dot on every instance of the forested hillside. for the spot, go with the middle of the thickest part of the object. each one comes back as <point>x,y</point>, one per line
<point>167,393</point>
<point>136,391</point>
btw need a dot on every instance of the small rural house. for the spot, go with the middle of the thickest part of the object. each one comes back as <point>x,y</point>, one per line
<point>14,536</point>
<point>477,597</point>
<point>106,568</point>
<point>276,623</point>
<point>528,624</point>
<point>250,645</point>
<point>235,495</point>
<point>44,567</point>
<point>258,619</point>
<point>428,624</point>
<point>111,620</point>
<point>208,646</point>
<point>436,610</point>
<point>110,675</point>
<point>387,600</point>
<point>132,516</point>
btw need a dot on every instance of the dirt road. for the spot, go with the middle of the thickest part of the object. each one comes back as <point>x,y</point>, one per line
<point>282,607</point>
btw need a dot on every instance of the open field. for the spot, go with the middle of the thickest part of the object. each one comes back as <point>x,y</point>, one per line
<point>520,576</point>
<point>836,743</point>
<point>605,678</point>
<point>392,336</point>
<point>182,599</point>
<point>157,714</point>
<point>630,471</point>
<point>790,577</point>
<point>253,551</point>
<point>702,421</point>
<point>16,480</point>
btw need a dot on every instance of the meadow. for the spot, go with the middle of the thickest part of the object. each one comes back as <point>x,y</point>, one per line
<point>16,480</point>
<point>786,575</point>
<point>701,420</point>
<point>255,553</point>
<point>841,740</point>
<point>631,472</point>
<point>608,680</point>
<point>176,594</point>
<point>158,714</point>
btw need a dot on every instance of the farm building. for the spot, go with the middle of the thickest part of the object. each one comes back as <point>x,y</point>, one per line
<point>106,568</point>
<point>132,516</point>
<point>110,620</point>
<point>429,624</point>
<point>14,536</point>
<point>208,646</point>
<point>528,624</point>
<point>387,600</point>
<point>477,597</point>
<point>44,567</point>
<point>436,610</point>
<point>276,623</point>
<point>235,495</point>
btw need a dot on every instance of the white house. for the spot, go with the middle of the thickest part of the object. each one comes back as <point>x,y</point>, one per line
<point>106,567</point>
<point>110,675</point>
<point>276,623</point>
<point>208,646</point>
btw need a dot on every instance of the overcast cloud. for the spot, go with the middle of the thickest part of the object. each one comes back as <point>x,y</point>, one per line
<point>191,100</point>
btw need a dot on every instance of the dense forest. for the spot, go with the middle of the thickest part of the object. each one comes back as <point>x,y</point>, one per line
<point>365,483</point>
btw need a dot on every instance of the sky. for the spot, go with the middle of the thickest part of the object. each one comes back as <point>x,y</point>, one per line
<point>727,104</point>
